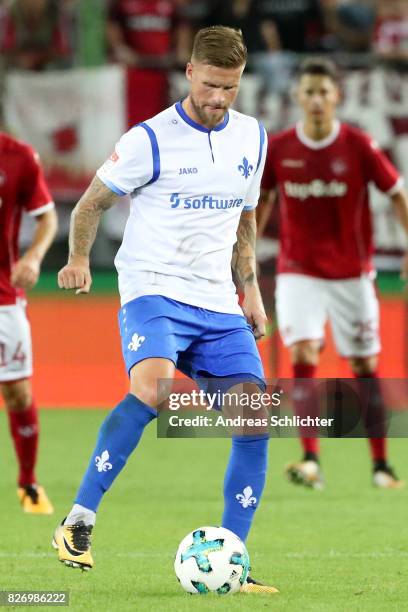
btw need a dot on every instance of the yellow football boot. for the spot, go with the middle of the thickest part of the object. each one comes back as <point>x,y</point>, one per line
<point>386,478</point>
<point>73,543</point>
<point>252,586</point>
<point>306,473</point>
<point>34,500</point>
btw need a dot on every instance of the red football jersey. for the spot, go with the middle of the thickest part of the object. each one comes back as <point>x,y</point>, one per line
<point>36,40</point>
<point>325,219</point>
<point>147,24</point>
<point>391,34</point>
<point>22,187</point>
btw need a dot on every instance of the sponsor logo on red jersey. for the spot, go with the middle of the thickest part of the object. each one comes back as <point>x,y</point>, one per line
<point>315,189</point>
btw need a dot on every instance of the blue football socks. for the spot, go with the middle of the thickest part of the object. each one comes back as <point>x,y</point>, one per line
<point>117,439</point>
<point>244,482</point>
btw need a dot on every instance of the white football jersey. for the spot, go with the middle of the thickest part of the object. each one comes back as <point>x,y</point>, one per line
<point>188,186</point>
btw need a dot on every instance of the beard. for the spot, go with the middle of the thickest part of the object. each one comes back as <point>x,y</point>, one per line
<point>209,120</point>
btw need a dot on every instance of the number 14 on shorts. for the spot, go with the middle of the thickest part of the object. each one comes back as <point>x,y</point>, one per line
<point>17,355</point>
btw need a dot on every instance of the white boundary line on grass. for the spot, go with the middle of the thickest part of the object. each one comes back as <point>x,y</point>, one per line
<point>332,554</point>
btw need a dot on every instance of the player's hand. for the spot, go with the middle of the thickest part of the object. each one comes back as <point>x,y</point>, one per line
<point>76,275</point>
<point>404,268</point>
<point>126,55</point>
<point>254,311</point>
<point>25,272</point>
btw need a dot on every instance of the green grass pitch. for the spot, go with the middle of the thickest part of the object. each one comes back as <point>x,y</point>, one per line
<point>345,548</point>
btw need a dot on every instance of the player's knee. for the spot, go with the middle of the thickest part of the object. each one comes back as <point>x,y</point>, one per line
<point>151,380</point>
<point>17,396</point>
<point>364,366</point>
<point>146,393</point>
<point>305,352</point>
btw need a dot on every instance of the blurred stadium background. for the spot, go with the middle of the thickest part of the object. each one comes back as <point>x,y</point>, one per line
<point>76,73</point>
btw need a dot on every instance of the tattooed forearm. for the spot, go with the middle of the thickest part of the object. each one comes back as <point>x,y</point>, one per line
<point>86,215</point>
<point>243,261</point>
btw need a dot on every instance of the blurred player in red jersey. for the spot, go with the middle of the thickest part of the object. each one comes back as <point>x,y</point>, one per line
<point>33,34</point>
<point>22,189</point>
<point>321,170</point>
<point>149,38</point>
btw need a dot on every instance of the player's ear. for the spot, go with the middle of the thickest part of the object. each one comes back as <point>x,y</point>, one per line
<point>340,95</point>
<point>189,71</point>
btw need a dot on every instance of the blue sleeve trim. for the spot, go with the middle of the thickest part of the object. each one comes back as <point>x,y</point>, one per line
<point>261,143</point>
<point>155,152</point>
<point>113,188</point>
<point>249,207</point>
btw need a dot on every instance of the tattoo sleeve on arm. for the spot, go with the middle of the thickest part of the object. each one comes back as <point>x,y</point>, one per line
<point>243,261</point>
<point>86,216</point>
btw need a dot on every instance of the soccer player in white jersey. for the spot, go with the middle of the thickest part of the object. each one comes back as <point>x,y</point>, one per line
<point>193,173</point>
<point>321,170</point>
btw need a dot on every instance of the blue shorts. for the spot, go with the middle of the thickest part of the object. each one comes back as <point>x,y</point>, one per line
<point>201,343</point>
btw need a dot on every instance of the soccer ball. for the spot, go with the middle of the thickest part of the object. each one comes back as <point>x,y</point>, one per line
<point>211,560</point>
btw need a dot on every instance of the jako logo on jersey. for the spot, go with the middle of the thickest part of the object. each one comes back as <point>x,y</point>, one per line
<point>245,168</point>
<point>188,171</point>
<point>315,189</point>
<point>206,201</point>
<point>136,342</point>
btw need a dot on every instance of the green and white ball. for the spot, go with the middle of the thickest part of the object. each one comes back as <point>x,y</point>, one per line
<point>211,560</point>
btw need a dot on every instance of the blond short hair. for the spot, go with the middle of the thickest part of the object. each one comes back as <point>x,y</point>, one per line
<point>219,46</point>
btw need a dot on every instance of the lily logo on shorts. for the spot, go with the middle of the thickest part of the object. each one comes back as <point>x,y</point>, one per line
<point>245,498</point>
<point>136,342</point>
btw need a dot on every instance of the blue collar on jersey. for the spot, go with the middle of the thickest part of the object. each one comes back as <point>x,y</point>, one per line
<point>198,126</point>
